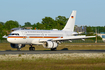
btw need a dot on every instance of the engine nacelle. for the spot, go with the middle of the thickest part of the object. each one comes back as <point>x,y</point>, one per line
<point>17,45</point>
<point>50,44</point>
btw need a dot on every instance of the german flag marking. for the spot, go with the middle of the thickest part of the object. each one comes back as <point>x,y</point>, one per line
<point>72,16</point>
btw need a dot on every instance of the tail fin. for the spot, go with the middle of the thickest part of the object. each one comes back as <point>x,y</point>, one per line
<point>71,22</point>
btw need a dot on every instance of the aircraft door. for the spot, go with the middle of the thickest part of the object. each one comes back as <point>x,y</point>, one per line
<point>25,37</point>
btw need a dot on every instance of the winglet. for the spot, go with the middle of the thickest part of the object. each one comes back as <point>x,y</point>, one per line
<point>71,22</point>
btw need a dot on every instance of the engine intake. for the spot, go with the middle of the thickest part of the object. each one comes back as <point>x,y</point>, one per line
<point>50,44</point>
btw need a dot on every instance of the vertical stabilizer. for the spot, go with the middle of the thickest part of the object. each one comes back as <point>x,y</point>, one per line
<point>71,22</point>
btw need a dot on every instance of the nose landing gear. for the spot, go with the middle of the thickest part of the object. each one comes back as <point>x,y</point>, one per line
<point>19,47</point>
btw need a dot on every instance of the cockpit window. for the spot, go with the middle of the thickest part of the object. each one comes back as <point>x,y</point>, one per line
<point>14,34</point>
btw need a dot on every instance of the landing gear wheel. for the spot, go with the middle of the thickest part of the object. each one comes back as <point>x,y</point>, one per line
<point>53,49</point>
<point>19,49</point>
<point>32,48</point>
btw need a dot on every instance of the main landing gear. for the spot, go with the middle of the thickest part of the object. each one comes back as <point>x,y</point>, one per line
<point>31,48</point>
<point>53,49</point>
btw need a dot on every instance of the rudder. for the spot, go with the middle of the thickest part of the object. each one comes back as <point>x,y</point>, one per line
<point>71,22</point>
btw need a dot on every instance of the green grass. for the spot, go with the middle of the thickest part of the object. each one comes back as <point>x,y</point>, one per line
<point>55,64</point>
<point>52,64</point>
<point>69,46</point>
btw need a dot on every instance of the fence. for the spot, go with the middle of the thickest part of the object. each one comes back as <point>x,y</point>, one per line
<point>3,41</point>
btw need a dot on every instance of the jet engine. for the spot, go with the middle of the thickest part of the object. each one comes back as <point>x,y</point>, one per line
<point>50,44</point>
<point>17,45</point>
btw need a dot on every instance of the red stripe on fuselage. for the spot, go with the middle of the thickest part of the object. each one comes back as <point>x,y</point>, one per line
<point>16,37</point>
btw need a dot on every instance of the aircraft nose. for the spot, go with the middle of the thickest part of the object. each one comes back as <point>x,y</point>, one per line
<point>10,40</point>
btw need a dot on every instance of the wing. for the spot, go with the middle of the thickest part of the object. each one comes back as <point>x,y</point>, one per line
<point>73,38</point>
<point>5,36</point>
<point>67,38</point>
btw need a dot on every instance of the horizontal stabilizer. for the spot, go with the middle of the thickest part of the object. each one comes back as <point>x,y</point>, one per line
<point>5,36</point>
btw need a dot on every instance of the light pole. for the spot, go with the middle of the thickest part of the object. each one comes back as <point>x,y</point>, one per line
<point>96,36</point>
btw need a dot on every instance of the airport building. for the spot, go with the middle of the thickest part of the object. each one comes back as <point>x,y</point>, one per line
<point>13,29</point>
<point>29,28</point>
<point>102,35</point>
<point>80,29</point>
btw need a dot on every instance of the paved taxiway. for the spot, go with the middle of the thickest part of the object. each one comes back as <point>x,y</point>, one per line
<point>51,52</point>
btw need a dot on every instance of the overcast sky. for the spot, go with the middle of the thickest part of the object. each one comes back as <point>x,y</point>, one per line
<point>89,12</point>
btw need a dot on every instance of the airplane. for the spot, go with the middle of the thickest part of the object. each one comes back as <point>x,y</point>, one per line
<point>48,38</point>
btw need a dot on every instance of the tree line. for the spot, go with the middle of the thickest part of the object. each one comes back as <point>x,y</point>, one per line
<point>47,23</point>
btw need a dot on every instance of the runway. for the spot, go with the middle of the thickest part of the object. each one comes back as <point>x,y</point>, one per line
<point>50,52</point>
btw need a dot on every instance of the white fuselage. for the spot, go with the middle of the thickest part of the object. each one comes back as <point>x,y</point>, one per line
<point>34,36</point>
<point>47,38</point>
